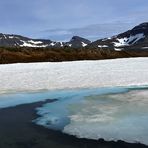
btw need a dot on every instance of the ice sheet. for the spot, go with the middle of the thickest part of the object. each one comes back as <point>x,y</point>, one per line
<point>77,74</point>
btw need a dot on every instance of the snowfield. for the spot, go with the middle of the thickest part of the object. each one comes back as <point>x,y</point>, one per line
<point>77,74</point>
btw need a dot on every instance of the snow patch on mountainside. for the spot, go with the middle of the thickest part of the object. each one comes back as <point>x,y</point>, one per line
<point>102,46</point>
<point>127,41</point>
<point>31,44</point>
<point>118,49</point>
<point>61,44</point>
<point>35,42</point>
<point>84,44</point>
<point>11,37</point>
<point>52,44</point>
<point>144,47</point>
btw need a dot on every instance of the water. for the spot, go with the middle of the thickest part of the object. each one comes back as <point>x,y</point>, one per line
<point>111,113</point>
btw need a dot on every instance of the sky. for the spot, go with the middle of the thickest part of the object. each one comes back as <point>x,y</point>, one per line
<point>61,19</point>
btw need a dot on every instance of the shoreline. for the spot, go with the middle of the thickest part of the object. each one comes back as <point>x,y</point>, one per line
<point>18,131</point>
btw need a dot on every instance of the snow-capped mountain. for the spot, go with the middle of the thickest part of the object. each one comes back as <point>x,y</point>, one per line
<point>17,40</point>
<point>134,38</point>
<point>8,40</point>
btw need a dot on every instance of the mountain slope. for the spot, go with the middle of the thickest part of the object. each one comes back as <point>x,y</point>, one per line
<point>8,40</point>
<point>136,38</point>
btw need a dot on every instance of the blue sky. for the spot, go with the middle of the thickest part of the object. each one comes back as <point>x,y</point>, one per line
<point>61,19</point>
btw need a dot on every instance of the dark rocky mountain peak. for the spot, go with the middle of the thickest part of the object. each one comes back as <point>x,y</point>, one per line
<point>78,42</point>
<point>141,28</point>
<point>131,39</point>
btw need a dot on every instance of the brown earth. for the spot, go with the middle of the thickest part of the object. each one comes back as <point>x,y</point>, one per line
<point>25,55</point>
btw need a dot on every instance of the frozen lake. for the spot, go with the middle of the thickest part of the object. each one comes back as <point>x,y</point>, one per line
<point>117,113</point>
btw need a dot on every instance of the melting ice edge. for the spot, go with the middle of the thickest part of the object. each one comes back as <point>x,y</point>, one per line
<point>116,113</point>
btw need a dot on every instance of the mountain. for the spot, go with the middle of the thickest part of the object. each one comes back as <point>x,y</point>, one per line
<point>7,40</point>
<point>17,40</point>
<point>132,43</point>
<point>78,42</point>
<point>136,38</point>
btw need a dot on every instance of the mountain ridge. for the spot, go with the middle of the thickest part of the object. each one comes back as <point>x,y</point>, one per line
<point>13,40</point>
<point>137,37</point>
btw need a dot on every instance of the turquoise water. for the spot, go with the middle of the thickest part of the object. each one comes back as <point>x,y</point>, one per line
<point>117,113</point>
<point>17,98</point>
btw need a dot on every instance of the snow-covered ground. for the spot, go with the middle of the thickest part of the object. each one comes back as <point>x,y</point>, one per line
<point>77,74</point>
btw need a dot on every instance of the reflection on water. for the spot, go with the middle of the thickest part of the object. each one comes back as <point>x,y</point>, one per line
<point>112,117</point>
<point>110,113</point>
<point>56,115</point>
